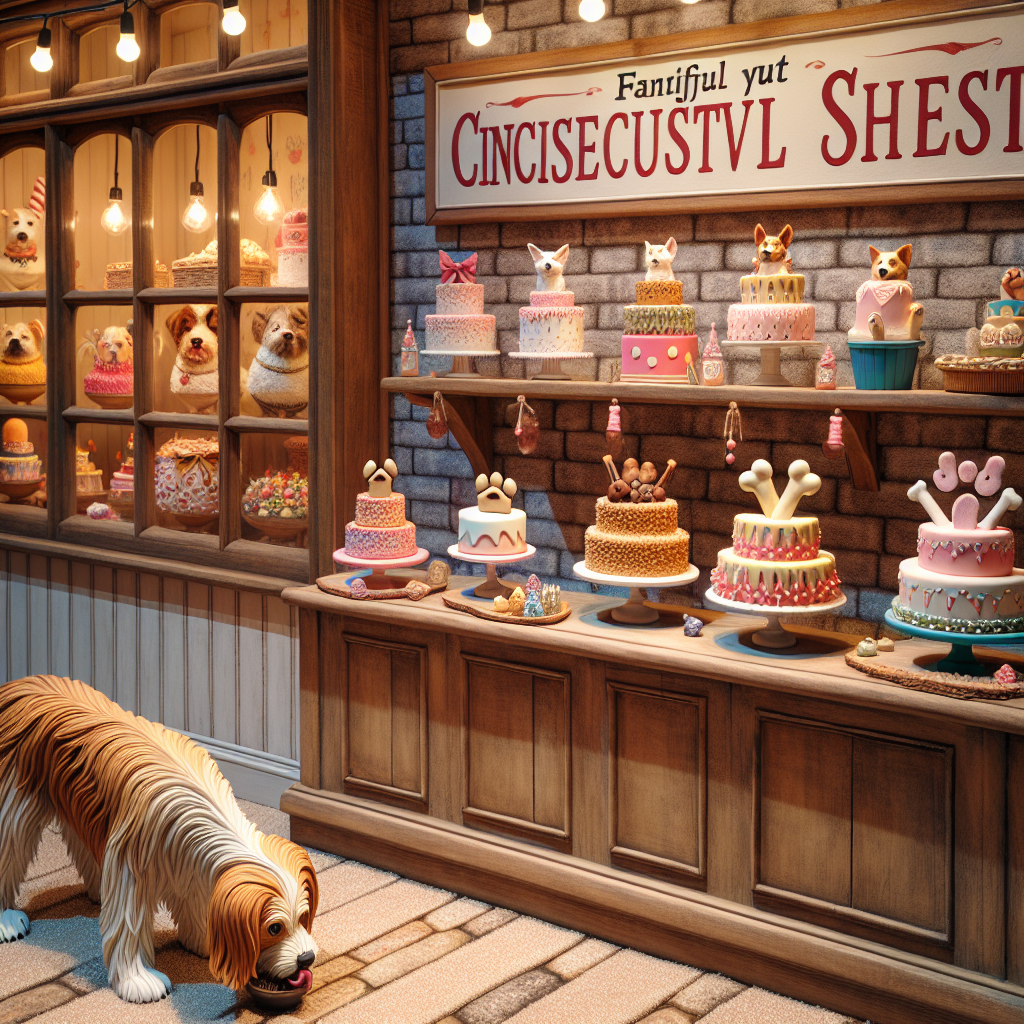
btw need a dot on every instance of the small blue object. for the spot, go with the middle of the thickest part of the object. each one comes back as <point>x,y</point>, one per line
<point>533,609</point>
<point>692,625</point>
<point>884,365</point>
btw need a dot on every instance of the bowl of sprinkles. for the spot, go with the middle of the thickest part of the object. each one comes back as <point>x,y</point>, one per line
<point>277,503</point>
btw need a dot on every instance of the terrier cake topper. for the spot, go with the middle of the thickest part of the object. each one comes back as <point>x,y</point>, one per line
<point>659,260</point>
<point>549,266</point>
<point>966,507</point>
<point>380,480</point>
<point>496,494</point>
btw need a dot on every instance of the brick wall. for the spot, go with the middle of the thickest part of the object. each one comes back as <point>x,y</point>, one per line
<point>960,251</point>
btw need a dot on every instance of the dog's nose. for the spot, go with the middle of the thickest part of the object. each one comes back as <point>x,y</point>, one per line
<point>882,271</point>
<point>287,335</point>
<point>197,342</point>
<point>547,266</point>
<point>22,237</point>
<point>305,960</point>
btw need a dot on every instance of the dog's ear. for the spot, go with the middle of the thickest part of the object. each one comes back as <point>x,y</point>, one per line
<point>259,325</point>
<point>647,248</point>
<point>875,253</point>
<point>295,861</point>
<point>211,319</point>
<point>904,252</point>
<point>234,928</point>
<point>759,235</point>
<point>181,321</point>
<point>562,254</point>
<point>786,236</point>
<point>300,316</point>
<point>37,330</point>
<point>535,252</point>
<point>671,248</point>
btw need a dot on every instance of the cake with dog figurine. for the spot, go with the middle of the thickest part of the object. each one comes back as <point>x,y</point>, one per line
<point>552,324</point>
<point>660,340</point>
<point>121,496</point>
<point>963,579</point>
<point>380,529</point>
<point>771,306</point>
<point>637,532</point>
<point>492,526</point>
<point>886,310</point>
<point>776,558</point>
<point>460,324</point>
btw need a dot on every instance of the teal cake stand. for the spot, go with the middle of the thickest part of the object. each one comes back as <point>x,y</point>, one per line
<point>960,658</point>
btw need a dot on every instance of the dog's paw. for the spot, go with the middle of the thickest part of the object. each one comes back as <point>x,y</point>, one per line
<point>13,925</point>
<point>142,985</point>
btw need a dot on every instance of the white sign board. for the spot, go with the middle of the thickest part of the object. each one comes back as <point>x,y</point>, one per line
<point>927,101</point>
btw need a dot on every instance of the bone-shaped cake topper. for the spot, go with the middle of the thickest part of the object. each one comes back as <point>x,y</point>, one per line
<point>919,493</point>
<point>496,494</point>
<point>1008,501</point>
<point>991,478</point>
<point>945,477</point>
<point>758,479</point>
<point>965,512</point>
<point>801,481</point>
<point>379,481</point>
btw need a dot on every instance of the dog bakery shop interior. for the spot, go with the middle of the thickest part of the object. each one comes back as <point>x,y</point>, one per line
<point>511,511</point>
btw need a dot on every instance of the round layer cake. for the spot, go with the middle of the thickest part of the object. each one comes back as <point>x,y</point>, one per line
<point>652,319</point>
<point>551,324</point>
<point>891,300</point>
<point>756,322</point>
<point>460,321</point>
<point>19,463</point>
<point>491,533</point>
<point>945,549</point>
<point>380,529</point>
<point>658,293</point>
<point>772,540</point>
<point>637,539</point>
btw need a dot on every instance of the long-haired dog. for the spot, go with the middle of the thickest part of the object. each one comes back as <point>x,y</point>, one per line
<point>278,378</point>
<point>194,378</point>
<point>147,819</point>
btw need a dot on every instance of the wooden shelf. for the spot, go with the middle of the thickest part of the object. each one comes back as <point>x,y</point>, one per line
<point>266,425</point>
<point>267,294</point>
<point>81,414</point>
<point>178,296</point>
<point>179,420</point>
<point>25,412</point>
<point>25,298</point>
<point>106,297</point>
<point>745,395</point>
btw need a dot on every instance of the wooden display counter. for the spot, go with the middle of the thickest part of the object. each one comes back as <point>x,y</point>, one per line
<point>781,818</point>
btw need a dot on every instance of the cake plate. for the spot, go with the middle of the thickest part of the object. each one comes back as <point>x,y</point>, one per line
<point>492,586</point>
<point>551,363</point>
<point>773,635</point>
<point>961,657</point>
<point>18,489</point>
<point>377,580</point>
<point>463,364</point>
<point>634,612</point>
<point>771,360</point>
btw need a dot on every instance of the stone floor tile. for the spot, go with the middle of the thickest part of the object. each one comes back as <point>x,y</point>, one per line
<point>321,860</point>
<point>587,954</point>
<point>50,949</point>
<point>326,1000</point>
<point>668,1015</point>
<point>187,1003</point>
<point>267,819</point>
<point>500,1003</point>
<point>406,960</point>
<point>757,1005</point>
<point>617,991</point>
<point>333,970</point>
<point>87,977</point>
<point>706,993</point>
<point>369,917</point>
<point>441,988</point>
<point>489,921</point>
<point>348,881</point>
<point>51,854</point>
<point>456,913</point>
<point>44,890</point>
<point>34,1002</point>
<point>400,937</point>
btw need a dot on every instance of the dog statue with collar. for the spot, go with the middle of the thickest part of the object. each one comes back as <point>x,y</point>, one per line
<point>279,374</point>
<point>23,260</point>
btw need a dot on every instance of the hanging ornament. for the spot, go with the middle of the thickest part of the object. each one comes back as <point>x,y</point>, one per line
<point>437,421</point>
<point>825,376</point>
<point>613,432</point>
<point>712,366</point>
<point>834,448</point>
<point>733,423</point>
<point>527,427</point>
<point>410,354</point>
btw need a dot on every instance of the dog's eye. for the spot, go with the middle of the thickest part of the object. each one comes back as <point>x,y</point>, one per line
<point>892,263</point>
<point>274,929</point>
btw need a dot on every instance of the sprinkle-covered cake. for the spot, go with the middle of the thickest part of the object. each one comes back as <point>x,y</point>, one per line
<point>380,529</point>
<point>18,460</point>
<point>492,526</point>
<point>292,244</point>
<point>552,323</point>
<point>460,323</point>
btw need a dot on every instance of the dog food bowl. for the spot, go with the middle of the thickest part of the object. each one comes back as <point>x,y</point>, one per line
<point>884,365</point>
<point>278,996</point>
<point>17,489</point>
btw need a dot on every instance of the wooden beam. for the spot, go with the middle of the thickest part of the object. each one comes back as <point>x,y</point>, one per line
<point>469,421</point>
<point>860,437</point>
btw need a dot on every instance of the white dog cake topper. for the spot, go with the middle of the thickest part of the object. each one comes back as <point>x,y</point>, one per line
<point>549,266</point>
<point>659,260</point>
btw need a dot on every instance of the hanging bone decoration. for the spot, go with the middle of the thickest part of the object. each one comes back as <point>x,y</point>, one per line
<point>758,479</point>
<point>919,493</point>
<point>1009,501</point>
<point>801,481</point>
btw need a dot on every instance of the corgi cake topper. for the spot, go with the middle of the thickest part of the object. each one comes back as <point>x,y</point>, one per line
<point>379,480</point>
<point>966,508</point>
<point>658,259</point>
<point>549,266</point>
<point>495,494</point>
<point>886,310</point>
<point>891,266</point>
<point>772,252</point>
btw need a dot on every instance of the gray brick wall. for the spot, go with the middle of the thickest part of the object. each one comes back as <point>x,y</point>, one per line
<point>960,251</point>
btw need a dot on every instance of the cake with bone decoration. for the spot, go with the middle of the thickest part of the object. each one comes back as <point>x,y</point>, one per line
<point>963,579</point>
<point>380,529</point>
<point>776,558</point>
<point>493,526</point>
<point>637,533</point>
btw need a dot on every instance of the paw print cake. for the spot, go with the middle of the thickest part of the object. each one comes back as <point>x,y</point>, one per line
<point>493,526</point>
<point>380,529</point>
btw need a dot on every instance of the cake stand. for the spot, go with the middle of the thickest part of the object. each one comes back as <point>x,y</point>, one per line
<point>492,586</point>
<point>551,363</point>
<point>634,612</point>
<point>773,635</point>
<point>18,489</point>
<point>377,580</point>
<point>961,657</point>
<point>110,401</point>
<point>463,364</point>
<point>771,360</point>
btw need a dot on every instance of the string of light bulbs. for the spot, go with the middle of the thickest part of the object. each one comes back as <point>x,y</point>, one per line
<point>232,22</point>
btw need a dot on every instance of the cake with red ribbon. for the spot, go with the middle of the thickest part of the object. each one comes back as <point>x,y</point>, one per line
<point>460,324</point>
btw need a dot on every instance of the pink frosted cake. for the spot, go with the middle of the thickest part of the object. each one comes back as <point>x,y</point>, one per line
<point>963,579</point>
<point>460,324</point>
<point>660,340</point>
<point>380,529</point>
<point>292,244</point>
<point>110,379</point>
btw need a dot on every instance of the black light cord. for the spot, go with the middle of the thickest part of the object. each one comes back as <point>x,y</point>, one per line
<point>270,143</point>
<point>197,153</point>
<point>76,10</point>
<point>117,139</point>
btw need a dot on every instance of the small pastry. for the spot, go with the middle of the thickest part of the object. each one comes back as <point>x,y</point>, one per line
<point>501,604</point>
<point>648,474</point>
<point>533,583</point>
<point>630,471</point>
<point>516,601</point>
<point>885,645</point>
<point>1005,676</point>
<point>867,648</point>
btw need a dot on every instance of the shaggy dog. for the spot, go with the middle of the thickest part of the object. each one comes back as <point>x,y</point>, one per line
<point>147,819</point>
<point>279,375</point>
<point>194,378</point>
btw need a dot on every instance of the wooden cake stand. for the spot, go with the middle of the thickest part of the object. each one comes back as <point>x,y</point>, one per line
<point>551,363</point>
<point>960,657</point>
<point>773,635</point>
<point>463,363</point>
<point>634,612</point>
<point>771,361</point>
<point>492,586</point>
<point>377,580</point>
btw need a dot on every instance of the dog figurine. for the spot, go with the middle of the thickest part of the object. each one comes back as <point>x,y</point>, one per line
<point>659,261</point>
<point>194,378</point>
<point>23,261</point>
<point>890,266</point>
<point>147,819</point>
<point>549,267</point>
<point>772,252</point>
<point>1013,284</point>
<point>111,347</point>
<point>278,377</point>
<point>22,367</point>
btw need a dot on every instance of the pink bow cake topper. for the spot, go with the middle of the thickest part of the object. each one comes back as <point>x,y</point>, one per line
<point>457,273</point>
<point>966,508</point>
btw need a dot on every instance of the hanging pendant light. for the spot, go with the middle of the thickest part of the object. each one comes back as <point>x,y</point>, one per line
<point>592,10</point>
<point>113,219</point>
<point>127,48</point>
<point>477,31</point>
<point>197,217</point>
<point>269,208</point>
<point>41,60</point>
<point>233,21</point>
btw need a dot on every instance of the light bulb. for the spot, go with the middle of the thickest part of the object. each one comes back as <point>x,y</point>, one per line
<point>591,10</point>
<point>127,48</point>
<point>113,219</point>
<point>233,21</point>
<point>691,1</point>
<point>477,32</point>
<point>269,208</point>
<point>41,59</point>
<point>196,217</point>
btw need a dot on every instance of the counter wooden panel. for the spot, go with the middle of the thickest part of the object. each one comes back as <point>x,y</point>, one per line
<point>791,822</point>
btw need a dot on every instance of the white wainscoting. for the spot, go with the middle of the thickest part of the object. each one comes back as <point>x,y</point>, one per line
<point>217,663</point>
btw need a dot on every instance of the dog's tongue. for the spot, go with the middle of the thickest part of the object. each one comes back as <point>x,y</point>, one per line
<point>302,979</point>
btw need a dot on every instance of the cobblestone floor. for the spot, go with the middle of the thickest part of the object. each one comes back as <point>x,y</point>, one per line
<point>392,951</point>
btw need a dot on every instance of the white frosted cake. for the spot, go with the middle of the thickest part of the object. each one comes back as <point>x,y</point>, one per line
<point>460,323</point>
<point>492,526</point>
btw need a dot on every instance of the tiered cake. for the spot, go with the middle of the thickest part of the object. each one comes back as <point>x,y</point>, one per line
<point>771,306</point>
<point>886,310</point>
<point>963,579</point>
<point>775,559</point>
<point>659,343</point>
<point>121,497</point>
<point>292,245</point>
<point>1002,334</point>
<point>551,325</point>
<point>492,526</point>
<point>380,529</point>
<point>460,325</point>
<point>637,532</point>
<point>19,463</point>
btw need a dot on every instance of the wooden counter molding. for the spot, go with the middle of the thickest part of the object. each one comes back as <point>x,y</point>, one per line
<point>786,820</point>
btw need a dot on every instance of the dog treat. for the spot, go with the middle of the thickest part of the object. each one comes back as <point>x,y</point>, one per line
<point>460,323</point>
<point>552,323</point>
<point>292,245</point>
<point>278,377</point>
<point>380,529</point>
<point>886,310</point>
